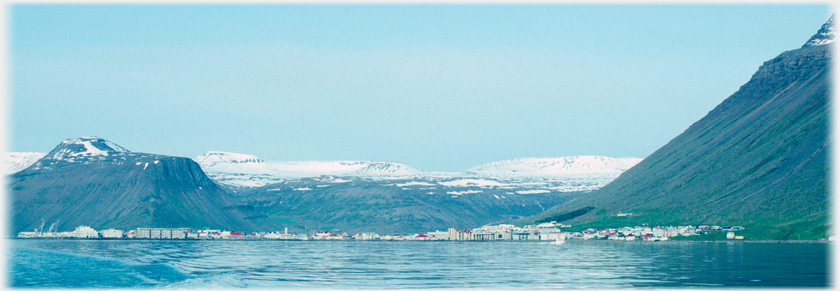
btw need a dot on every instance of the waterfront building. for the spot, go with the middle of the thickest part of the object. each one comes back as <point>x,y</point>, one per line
<point>553,235</point>
<point>28,234</point>
<point>112,233</point>
<point>162,233</point>
<point>84,231</point>
<point>272,235</point>
<point>438,235</point>
<point>460,234</point>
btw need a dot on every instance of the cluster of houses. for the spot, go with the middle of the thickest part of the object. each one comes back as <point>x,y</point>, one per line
<point>504,232</point>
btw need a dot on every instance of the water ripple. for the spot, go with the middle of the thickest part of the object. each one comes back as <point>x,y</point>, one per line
<point>337,264</point>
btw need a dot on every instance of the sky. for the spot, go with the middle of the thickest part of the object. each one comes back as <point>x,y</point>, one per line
<point>437,87</point>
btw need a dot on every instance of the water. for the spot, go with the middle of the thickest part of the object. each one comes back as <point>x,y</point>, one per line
<point>406,264</point>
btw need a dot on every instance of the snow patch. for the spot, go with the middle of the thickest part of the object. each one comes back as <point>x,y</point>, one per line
<point>17,161</point>
<point>414,183</point>
<point>464,192</point>
<point>472,183</point>
<point>824,36</point>
<point>533,191</point>
<point>555,167</point>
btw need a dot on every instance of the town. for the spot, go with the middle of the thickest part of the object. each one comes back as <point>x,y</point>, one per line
<point>550,231</point>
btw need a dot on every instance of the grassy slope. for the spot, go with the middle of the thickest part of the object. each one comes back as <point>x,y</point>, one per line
<point>758,160</point>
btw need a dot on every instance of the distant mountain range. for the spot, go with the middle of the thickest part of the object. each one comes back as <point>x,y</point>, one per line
<point>561,174</point>
<point>760,159</point>
<point>304,195</point>
<point>565,174</point>
<point>14,162</point>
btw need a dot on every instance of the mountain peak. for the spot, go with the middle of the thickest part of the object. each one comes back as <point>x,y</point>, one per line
<point>213,157</point>
<point>86,146</point>
<point>824,36</point>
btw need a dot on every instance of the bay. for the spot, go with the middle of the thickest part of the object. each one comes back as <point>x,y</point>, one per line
<point>413,264</point>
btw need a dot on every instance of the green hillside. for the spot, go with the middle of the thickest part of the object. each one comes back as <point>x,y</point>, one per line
<point>760,160</point>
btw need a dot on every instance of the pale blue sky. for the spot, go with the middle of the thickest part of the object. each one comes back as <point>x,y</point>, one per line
<point>438,87</point>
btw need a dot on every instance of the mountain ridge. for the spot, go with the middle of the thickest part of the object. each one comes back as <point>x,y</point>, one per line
<point>758,159</point>
<point>238,172</point>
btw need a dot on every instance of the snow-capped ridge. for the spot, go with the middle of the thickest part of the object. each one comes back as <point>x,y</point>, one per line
<point>243,170</point>
<point>84,147</point>
<point>824,36</point>
<point>226,157</point>
<point>17,161</point>
<point>558,166</point>
<point>385,169</point>
<point>575,173</point>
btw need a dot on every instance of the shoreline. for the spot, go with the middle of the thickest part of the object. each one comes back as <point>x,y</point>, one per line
<point>379,240</point>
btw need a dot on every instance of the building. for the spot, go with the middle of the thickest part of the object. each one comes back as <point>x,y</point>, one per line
<point>28,234</point>
<point>112,233</point>
<point>438,235</point>
<point>84,231</point>
<point>162,233</point>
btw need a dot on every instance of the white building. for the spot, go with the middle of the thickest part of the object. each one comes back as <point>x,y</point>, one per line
<point>112,233</point>
<point>438,235</point>
<point>85,231</point>
<point>162,233</point>
<point>28,234</point>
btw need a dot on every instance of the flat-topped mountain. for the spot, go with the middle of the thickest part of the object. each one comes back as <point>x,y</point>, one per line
<point>243,170</point>
<point>91,181</point>
<point>562,174</point>
<point>554,167</point>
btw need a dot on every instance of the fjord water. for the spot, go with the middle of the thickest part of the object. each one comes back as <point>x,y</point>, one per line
<point>407,264</point>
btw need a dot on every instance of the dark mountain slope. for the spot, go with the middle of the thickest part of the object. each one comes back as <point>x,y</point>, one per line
<point>90,181</point>
<point>759,159</point>
<point>365,205</point>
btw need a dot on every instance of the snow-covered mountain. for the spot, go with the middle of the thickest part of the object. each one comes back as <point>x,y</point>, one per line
<point>14,162</point>
<point>242,170</point>
<point>69,150</point>
<point>823,36</point>
<point>556,167</point>
<point>88,146</point>
<point>563,174</point>
<point>92,181</point>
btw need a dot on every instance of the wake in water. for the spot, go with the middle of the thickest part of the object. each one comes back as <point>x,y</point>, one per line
<point>45,269</point>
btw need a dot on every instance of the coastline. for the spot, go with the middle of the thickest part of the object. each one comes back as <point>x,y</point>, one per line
<point>410,240</point>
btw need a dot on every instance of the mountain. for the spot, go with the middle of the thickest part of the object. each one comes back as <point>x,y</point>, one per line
<point>356,196</point>
<point>759,159</point>
<point>564,174</point>
<point>359,204</point>
<point>14,162</point>
<point>384,197</point>
<point>242,170</point>
<point>823,36</point>
<point>553,167</point>
<point>92,181</point>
